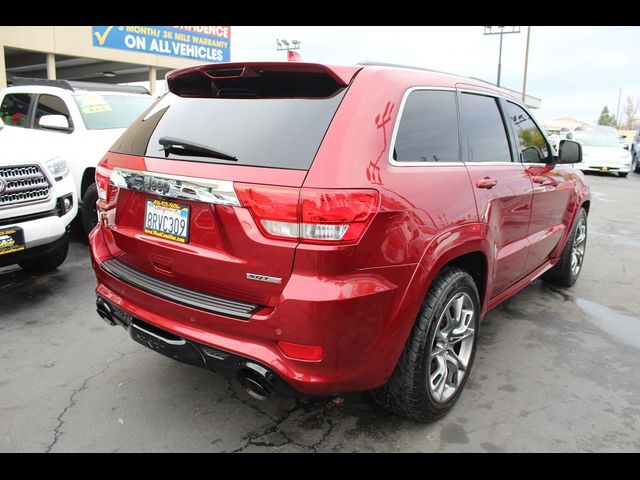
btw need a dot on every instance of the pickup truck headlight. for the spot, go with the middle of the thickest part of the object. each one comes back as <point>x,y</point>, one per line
<point>58,167</point>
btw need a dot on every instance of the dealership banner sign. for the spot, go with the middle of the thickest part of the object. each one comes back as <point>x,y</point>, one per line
<point>208,44</point>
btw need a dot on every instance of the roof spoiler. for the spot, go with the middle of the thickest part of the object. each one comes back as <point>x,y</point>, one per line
<point>260,79</point>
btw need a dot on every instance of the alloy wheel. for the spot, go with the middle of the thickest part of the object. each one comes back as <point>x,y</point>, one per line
<point>452,347</point>
<point>579,245</point>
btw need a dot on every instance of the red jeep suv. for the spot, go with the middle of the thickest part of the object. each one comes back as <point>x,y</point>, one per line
<point>314,229</point>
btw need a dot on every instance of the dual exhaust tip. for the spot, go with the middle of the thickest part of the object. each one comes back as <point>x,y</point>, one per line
<point>104,310</point>
<point>254,379</point>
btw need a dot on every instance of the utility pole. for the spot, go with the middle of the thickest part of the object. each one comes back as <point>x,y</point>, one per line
<point>488,30</point>
<point>526,65</point>
<point>285,45</point>
<point>618,110</point>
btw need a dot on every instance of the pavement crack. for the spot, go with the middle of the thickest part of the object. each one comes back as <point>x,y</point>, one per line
<point>251,437</point>
<point>72,399</point>
<point>235,396</point>
<point>324,437</point>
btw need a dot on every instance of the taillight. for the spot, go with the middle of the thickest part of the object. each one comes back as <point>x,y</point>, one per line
<point>106,191</point>
<point>310,215</point>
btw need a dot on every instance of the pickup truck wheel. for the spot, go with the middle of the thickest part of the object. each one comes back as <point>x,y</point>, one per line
<point>89,212</point>
<point>437,358</point>
<point>566,271</point>
<point>48,262</point>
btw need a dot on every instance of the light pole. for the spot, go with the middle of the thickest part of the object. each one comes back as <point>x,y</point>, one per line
<point>488,30</point>
<point>526,64</point>
<point>285,45</point>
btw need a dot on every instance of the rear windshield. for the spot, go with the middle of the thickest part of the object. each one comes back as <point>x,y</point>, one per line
<point>260,132</point>
<point>101,111</point>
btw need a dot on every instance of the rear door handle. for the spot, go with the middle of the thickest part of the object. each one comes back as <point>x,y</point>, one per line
<point>487,182</point>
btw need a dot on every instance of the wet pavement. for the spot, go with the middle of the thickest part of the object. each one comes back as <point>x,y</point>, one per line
<point>556,370</point>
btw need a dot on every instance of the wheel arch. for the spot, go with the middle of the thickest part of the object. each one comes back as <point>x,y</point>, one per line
<point>88,177</point>
<point>465,247</point>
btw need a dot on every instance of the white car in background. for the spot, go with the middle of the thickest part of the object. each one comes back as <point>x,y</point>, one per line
<point>37,204</point>
<point>601,152</point>
<point>79,121</point>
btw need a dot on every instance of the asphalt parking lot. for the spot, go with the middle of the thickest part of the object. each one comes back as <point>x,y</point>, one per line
<point>556,370</point>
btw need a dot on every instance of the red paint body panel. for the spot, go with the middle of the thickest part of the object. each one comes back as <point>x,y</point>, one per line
<point>358,302</point>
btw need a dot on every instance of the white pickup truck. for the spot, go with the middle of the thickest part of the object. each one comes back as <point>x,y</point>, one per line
<point>38,201</point>
<point>78,121</point>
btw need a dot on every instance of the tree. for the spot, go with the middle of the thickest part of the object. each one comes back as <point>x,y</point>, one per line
<point>606,118</point>
<point>630,110</point>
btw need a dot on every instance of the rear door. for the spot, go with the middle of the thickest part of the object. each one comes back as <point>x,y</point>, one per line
<point>177,164</point>
<point>502,187</point>
<point>554,186</point>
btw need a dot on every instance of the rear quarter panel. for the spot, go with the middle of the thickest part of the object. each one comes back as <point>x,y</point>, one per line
<point>427,213</point>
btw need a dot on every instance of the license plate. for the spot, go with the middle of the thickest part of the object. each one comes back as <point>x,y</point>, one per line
<point>11,240</point>
<point>168,220</point>
<point>604,169</point>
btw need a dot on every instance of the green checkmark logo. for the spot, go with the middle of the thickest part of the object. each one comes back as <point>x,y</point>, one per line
<point>102,38</point>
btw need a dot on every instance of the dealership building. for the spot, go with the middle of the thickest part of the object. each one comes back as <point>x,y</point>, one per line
<point>108,54</point>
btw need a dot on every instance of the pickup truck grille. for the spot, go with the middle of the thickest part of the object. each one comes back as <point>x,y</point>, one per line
<point>23,184</point>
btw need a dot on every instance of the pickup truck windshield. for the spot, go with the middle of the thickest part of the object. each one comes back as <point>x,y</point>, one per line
<point>101,111</point>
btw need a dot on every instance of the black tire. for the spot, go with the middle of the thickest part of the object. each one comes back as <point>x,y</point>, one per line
<point>634,163</point>
<point>50,261</point>
<point>89,212</point>
<point>623,175</point>
<point>563,274</point>
<point>407,392</point>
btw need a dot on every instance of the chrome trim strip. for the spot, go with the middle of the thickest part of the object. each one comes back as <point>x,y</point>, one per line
<point>218,192</point>
<point>162,339</point>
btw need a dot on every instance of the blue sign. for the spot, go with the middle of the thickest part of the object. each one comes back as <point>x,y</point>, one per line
<point>207,44</point>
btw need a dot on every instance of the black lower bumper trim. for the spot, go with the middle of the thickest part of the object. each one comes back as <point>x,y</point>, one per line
<point>33,252</point>
<point>190,351</point>
<point>175,293</point>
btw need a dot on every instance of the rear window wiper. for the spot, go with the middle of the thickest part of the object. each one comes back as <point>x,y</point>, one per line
<point>176,146</point>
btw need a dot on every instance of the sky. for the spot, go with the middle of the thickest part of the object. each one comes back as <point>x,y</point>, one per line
<point>574,70</point>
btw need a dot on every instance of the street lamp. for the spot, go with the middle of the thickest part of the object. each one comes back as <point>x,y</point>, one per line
<point>488,30</point>
<point>284,45</point>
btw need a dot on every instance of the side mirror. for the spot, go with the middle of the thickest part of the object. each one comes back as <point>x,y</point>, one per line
<point>532,155</point>
<point>54,122</point>
<point>626,146</point>
<point>569,152</point>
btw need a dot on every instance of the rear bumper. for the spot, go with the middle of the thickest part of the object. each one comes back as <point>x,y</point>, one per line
<point>609,165</point>
<point>189,351</point>
<point>354,319</point>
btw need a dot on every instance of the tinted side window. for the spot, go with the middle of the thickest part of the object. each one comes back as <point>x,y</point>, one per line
<point>485,129</point>
<point>532,146</point>
<point>428,130</point>
<point>51,105</point>
<point>15,109</point>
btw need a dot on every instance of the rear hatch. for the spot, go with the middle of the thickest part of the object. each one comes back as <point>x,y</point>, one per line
<point>178,167</point>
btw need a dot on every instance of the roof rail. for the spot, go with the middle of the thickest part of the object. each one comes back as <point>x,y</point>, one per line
<point>384,64</point>
<point>74,85</point>
<point>398,65</point>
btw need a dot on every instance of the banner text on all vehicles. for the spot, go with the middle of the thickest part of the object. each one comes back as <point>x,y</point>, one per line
<point>210,44</point>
